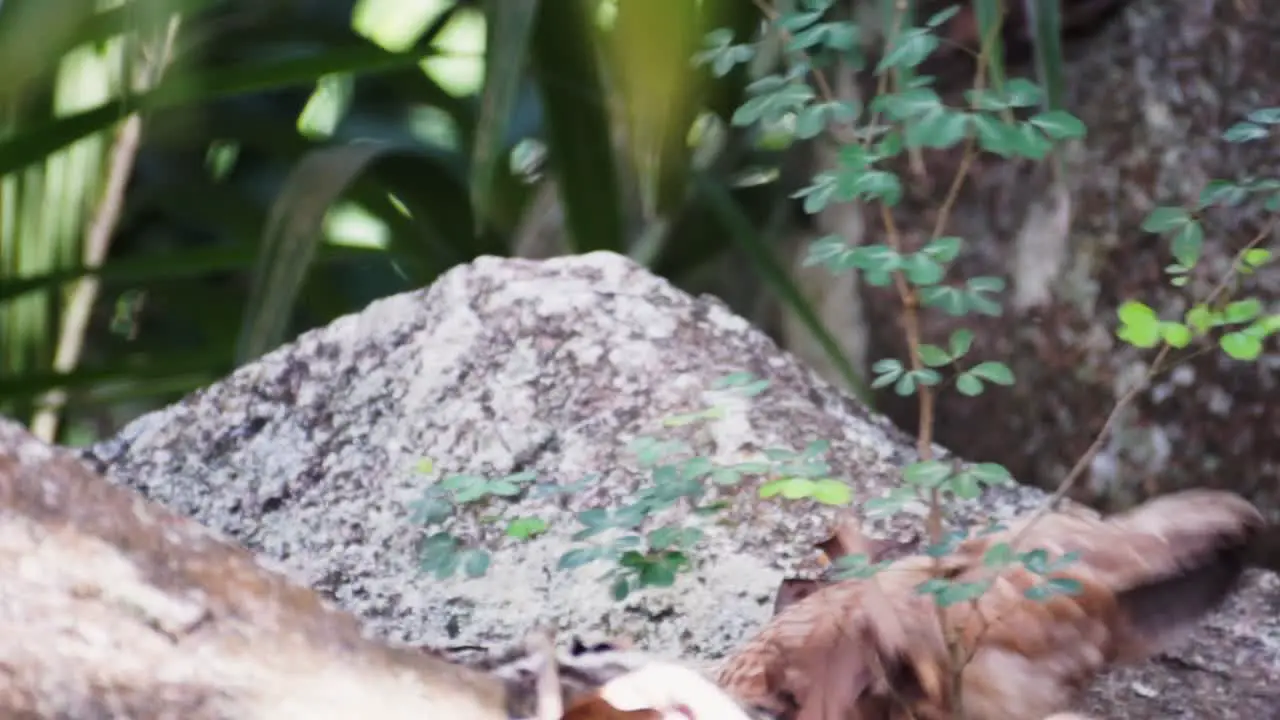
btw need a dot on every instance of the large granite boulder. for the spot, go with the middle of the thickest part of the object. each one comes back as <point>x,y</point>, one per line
<point>319,454</point>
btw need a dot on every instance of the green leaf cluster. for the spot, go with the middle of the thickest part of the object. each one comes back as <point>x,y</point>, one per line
<point>443,555</point>
<point>1243,323</point>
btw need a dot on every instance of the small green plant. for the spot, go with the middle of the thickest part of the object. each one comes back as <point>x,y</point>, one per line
<point>1240,326</point>
<point>679,477</point>
<point>443,554</point>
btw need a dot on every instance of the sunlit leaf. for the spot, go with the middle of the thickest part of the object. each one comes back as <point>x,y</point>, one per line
<point>508,30</point>
<point>578,131</point>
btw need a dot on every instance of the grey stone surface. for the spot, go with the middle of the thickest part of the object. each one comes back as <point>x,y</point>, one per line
<point>312,456</point>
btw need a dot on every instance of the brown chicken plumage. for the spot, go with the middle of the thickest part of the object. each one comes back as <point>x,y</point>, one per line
<point>875,649</point>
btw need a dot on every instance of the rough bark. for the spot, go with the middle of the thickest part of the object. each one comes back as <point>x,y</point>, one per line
<point>313,455</point>
<point>113,607</point>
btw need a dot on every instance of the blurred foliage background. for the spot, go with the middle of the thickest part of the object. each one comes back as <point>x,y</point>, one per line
<point>186,184</point>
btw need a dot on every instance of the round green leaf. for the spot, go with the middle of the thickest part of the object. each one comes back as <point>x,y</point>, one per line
<point>816,447</point>
<point>1132,312</point>
<point>433,510</point>
<point>1188,243</point>
<point>829,491</point>
<point>992,371</point>
<point>827,250</point>
<point>1145,336</point>
<point>656,574</point>
<point>1256,257</point>
<point>878,184</point>
<point>1164,219</point>
<point>968,385</point>
<point>627,542</point>
<point>905,385</point>
<point>663,537</point>
<point>578,557</point>
<point>1031,143</point>
<point>927,376</point>
<point>1244,132</point>
<point>1243,311</point>
<point>943,249</point>
<point>1223,192</point>
<point>1021,92</point>
<point>922,269</point>
<point>462,482</point>
<point>876,257</point>
<point>1268,325</point>
<point>965,486</point>
<point>477,563</point>
<point>448,565</point>
<point>1176,334</point>
<point>1059,124</point>
<point>503,488</point>
<point>940,128</point>
<point>948,299</point>
<point>983,305</point>
<point>726,476</point>
<point>989,473</point>
<point>985,284</point>
<point>818,195</point>
<point>632,559</point>
<point>796,488</point>
<point>1241,346</point>
<point>961,341</point>
<point>911,49</point>
<point>771,488</point>
<point>995,135</point>
<point>887,365</point>
<point>1140,326</point>
<point>934,356</point>
<point>907,103</point>
<point>927,473</point>
<point>620,589</point>
<point>526,527</point>
<point>1266,116</point>
<point>811,122</point>
<point>1201,318</point>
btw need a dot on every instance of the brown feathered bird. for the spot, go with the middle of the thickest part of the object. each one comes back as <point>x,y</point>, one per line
<point>875,649</point>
